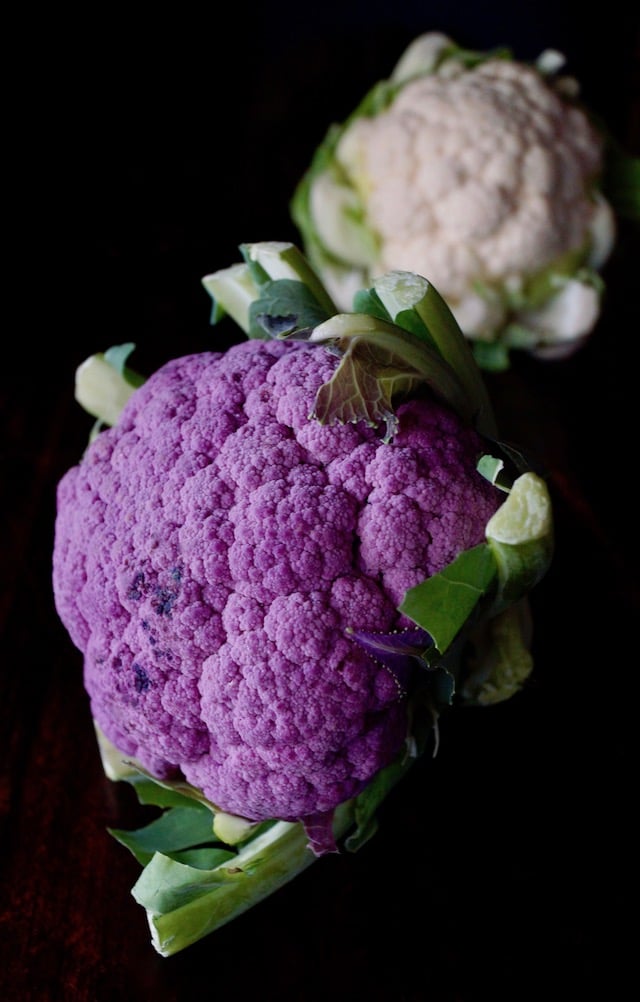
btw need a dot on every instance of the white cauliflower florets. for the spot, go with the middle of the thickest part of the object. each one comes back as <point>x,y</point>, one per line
<point>482,179</point>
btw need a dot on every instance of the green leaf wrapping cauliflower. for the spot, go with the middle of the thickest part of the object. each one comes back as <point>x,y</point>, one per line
<point>481,173</point>
<point>281,563</point>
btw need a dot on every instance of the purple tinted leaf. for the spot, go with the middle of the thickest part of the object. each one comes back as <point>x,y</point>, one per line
<point>401,652</point>
<point>319,830</point>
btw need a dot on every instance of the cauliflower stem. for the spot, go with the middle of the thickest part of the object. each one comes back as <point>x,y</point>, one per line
<point>190,890</point>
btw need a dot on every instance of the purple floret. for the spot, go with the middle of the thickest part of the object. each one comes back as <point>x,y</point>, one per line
<point>214,550</point>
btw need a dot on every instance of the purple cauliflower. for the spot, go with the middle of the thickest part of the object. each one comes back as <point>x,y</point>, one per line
<point>215,550</point>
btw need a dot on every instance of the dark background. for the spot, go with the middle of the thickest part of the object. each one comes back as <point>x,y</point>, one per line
<point>141,152</point>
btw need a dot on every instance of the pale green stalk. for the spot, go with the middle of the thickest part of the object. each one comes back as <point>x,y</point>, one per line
<point>400,291</point>
<point>184,904</point>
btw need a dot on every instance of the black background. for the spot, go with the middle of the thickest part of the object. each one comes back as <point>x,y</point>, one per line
<point>140,152</point>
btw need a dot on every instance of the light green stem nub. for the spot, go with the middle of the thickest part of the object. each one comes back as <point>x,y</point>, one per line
<point>402,291</point>
<point>184,904</point>
<point>520,536</point>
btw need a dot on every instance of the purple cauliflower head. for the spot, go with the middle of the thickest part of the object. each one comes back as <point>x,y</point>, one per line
<point>213,550</point>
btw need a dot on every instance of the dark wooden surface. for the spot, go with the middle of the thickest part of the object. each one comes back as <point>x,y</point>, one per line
<point>503,867</point>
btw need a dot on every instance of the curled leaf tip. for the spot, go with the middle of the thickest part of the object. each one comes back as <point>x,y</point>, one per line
<point>400,652</point>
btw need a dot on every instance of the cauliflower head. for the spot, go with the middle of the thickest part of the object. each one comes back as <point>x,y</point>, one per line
<point>482,174</point>
<point>214,548</point>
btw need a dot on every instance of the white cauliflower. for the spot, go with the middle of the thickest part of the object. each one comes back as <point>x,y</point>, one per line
<point>482,174</point>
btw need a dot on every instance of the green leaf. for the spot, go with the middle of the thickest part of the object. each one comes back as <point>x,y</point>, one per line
<point>517,335</point>
<point>150,792</point>
<point>491,468</point>
<point>118,354</point>
<point>375,101</point>
<point>285,299</point>
<point>380,361</point>
<point>176,828</point>
<point>501,661</point>
<point>329,209</point>
<point>362,389</point>
<point>403,293</point>
<point>544,284</point>
<point>206,858</point>
<point>184,904</point>
<point>117,357</point>
<point>161,792</point>
<point>368,301</point>
<point>167,884</point>
<point>491,356</point>
<point>247,289</point>
<point>411,321</point>
<point>443,603</point>
<point>278,260</point>
<point>475,57</point>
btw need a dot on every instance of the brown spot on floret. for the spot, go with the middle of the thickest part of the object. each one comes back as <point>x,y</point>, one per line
<point>137,589</point>
<point>142,681</point>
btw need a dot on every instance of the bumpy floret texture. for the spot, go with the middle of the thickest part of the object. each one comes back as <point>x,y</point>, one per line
<point>481,175</point>
<point>502,185</point>
<point>211,551</point>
